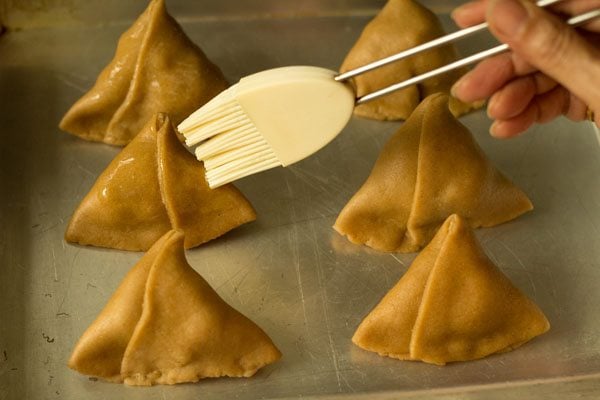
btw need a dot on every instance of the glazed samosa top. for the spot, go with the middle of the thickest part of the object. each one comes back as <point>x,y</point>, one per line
<point>153,185</point>
<point>156,68</point>
<point>400,25</point>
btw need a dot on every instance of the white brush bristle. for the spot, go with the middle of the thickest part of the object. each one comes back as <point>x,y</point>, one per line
<point>227,141</point>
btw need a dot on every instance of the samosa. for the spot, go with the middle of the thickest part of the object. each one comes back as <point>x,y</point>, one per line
<point>400,25</point>
<point>165,324</point>
<point>156,68</point>
<point>429,169</point>
<point>453,304</point>
<point>152,186</point>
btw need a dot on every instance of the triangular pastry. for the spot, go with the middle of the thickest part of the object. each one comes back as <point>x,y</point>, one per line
<point>156,68</point>
<point>430,168</point>
<point>154,185</point>
<point>453,304</point>
<point>400,25</point>
<point>166,325</point>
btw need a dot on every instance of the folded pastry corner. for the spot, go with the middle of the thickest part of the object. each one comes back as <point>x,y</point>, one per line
<point>400,25</point>
<point>153,185</point>
<point>453,304</point>
<point>166,325</point>
<point>429,169</point>
<point>156,68</point>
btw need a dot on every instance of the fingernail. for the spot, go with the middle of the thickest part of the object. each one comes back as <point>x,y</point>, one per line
<point>455,89</point>
<point>458,85</point>
<point>461,9</point>
<point>494,130</point>
<point>491,106</point>
<point>507,17</point>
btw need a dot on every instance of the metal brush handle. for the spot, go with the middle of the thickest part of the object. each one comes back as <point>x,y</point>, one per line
<point>574,21</point>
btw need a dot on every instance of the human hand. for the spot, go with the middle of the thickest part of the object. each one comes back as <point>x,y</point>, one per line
<point>552,69</point>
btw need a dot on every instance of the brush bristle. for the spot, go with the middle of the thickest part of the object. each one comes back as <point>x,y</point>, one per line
<point>235,156</point>
<point>233,174</point>
<point>227,141</point>
<point>208,111</point>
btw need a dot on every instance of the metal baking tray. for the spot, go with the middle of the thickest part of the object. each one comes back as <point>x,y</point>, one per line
<point>288,271</point>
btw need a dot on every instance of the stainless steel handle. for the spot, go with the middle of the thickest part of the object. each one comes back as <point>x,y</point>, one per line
<point>574,21</point>
<point>425,46</point>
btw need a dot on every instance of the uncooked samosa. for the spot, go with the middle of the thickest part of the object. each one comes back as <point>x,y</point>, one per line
<point>453,304</point>
<point>400,25</point>
<point>430,168</point>
<point>152,186</point>
<point>156,68</point>
<point>166,325</point>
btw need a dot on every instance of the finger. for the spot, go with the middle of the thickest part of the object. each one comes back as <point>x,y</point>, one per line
<point>578,110</point>
<point>489,76</point>
<point>513,98</point>
<point>521,66</point>
<point>507,128</point>
<point>552,104</point>
<point>591,26</point>
<point>485,79</point>
<point>547,43</point>
<point>473,12</point>
<point>470,14</point>
<point>542,108</point>
<point>575,7</point>
<point>592,37</point>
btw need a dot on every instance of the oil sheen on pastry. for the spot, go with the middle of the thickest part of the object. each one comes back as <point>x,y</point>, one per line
<point>453,304</point>
<point>429,169</point>
<point>156,68</point>
<point>152,186</point>
<point>164,325</point>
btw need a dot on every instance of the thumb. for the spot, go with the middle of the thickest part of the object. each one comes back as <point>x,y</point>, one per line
<point>547,43</point>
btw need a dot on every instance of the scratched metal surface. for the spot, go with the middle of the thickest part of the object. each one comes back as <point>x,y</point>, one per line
<point>288,271</point>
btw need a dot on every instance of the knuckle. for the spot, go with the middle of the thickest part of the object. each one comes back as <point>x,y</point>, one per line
<point>548,40</point>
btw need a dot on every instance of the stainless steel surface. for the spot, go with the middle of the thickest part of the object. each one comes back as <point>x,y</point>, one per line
<point>27,14</point>
<point>289,271</point>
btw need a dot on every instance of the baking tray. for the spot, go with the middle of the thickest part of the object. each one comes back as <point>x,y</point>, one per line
<point>288,271</point>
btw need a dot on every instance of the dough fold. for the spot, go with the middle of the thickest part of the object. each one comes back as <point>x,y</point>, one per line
<point>164,325</point>
<point>156,68</point>
<point>400,25</point>
<point>429,169</point>
<point>453,304</point>
<point>153,185</point>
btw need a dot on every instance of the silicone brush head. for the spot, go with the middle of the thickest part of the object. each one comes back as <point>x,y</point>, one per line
<point>273,118</point>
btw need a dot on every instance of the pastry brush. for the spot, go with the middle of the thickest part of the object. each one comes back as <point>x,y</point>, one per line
<point>283,115</point>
